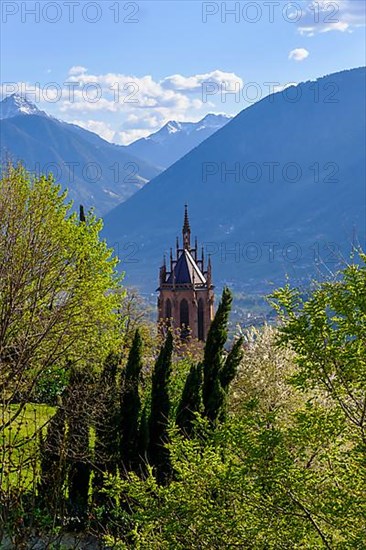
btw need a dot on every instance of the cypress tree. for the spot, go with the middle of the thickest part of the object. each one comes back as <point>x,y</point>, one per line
<point>143,442</point>
<point>106,426</point>
<point>52,463</point>
<point>228,373</point>
<point>191,400</point>
<point>230,367</point>
<point>78,416</point>
<point>82,217</point>
<point>218,371</point>
<point>130,407</point>
<point>212,392</point>
<point>160,409</point>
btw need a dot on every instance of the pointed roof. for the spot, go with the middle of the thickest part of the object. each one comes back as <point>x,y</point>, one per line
<point>186,271</point>
<point>186,226</point>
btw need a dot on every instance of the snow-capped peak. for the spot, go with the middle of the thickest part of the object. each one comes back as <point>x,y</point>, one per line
<point>16,104</point>
<point>173,126</point>
<point>211,121</point>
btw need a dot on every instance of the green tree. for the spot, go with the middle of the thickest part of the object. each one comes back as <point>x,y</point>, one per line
<point>53,464</point>
<point>143,443</point>
<point>158,454</point>
<point>218,368</point>
<point>280,472</point>
<point>58,286</point>
<point>106,422</point>
<point>191,401</point>
<point>327,332</point>
<point>130,406</point>
<point>78,416</point>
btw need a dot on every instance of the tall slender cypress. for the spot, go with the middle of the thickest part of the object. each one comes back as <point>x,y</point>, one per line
<point>232,362</point>
<point>191,400</point>
<point>212,392</point>
<point>158,454</point>
<point>53,470</point>
<point>130,407</point>
<point>228,373</point>
<point>82,217</point>
<point>78,452</point>
<point>219,369</point>
<point>143,443</point>
<point>106,426</point>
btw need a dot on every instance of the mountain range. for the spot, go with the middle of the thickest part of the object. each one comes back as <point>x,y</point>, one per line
<point>278,190</point>
<point>176,139</point>
<point>97,173</point>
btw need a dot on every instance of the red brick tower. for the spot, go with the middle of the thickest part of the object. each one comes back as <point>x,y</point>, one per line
<point>186,295</point>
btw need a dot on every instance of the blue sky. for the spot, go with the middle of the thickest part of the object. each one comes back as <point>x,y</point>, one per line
<point>123,69</point>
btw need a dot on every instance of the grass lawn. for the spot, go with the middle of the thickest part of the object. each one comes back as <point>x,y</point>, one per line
<point>19,461</point>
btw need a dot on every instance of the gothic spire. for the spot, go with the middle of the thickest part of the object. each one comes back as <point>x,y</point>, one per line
<point>186,230</point>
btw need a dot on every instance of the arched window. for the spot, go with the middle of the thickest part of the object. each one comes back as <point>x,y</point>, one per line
<point>168,311</point>
<point>201,322</point>
<point>184,314</point>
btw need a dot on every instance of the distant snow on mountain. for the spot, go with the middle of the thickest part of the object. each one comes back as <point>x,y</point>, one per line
<point>32,136</point>
<point>279,190</point>
<point>16,104</point>
<point>97,174</point>
<point>175,139</point>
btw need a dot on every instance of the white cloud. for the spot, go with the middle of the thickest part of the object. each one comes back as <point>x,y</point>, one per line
<point>77,70</point>
<point>136,106</point>
<point>123,108</point>
<point>119,92</point>
<point>97,126</point>
<point>104,130</point>
<point>323,16</point>
<point>298,54</point>
<point>194,83</point>
<point>128,136</point>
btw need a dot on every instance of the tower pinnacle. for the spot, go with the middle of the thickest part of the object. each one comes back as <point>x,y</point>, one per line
<point>186,230</point>
<point>186,292</point>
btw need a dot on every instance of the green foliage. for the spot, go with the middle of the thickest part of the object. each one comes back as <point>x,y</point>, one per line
<point>160,410</point>
<point>58,284</point>
<point>50,385</point>
<point>78,444</point>
<point>53,464</point>
<point>213,393</point>
<point>280,472</point>
<point>191,401</point>
<point>19,445</point>
<point>130,406</point>
<point>218,372</point>
<point>143,442</point>
<point>106,422</point>
<point>232,362</point>
<point>327,332</point>
<point>268,445</point>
